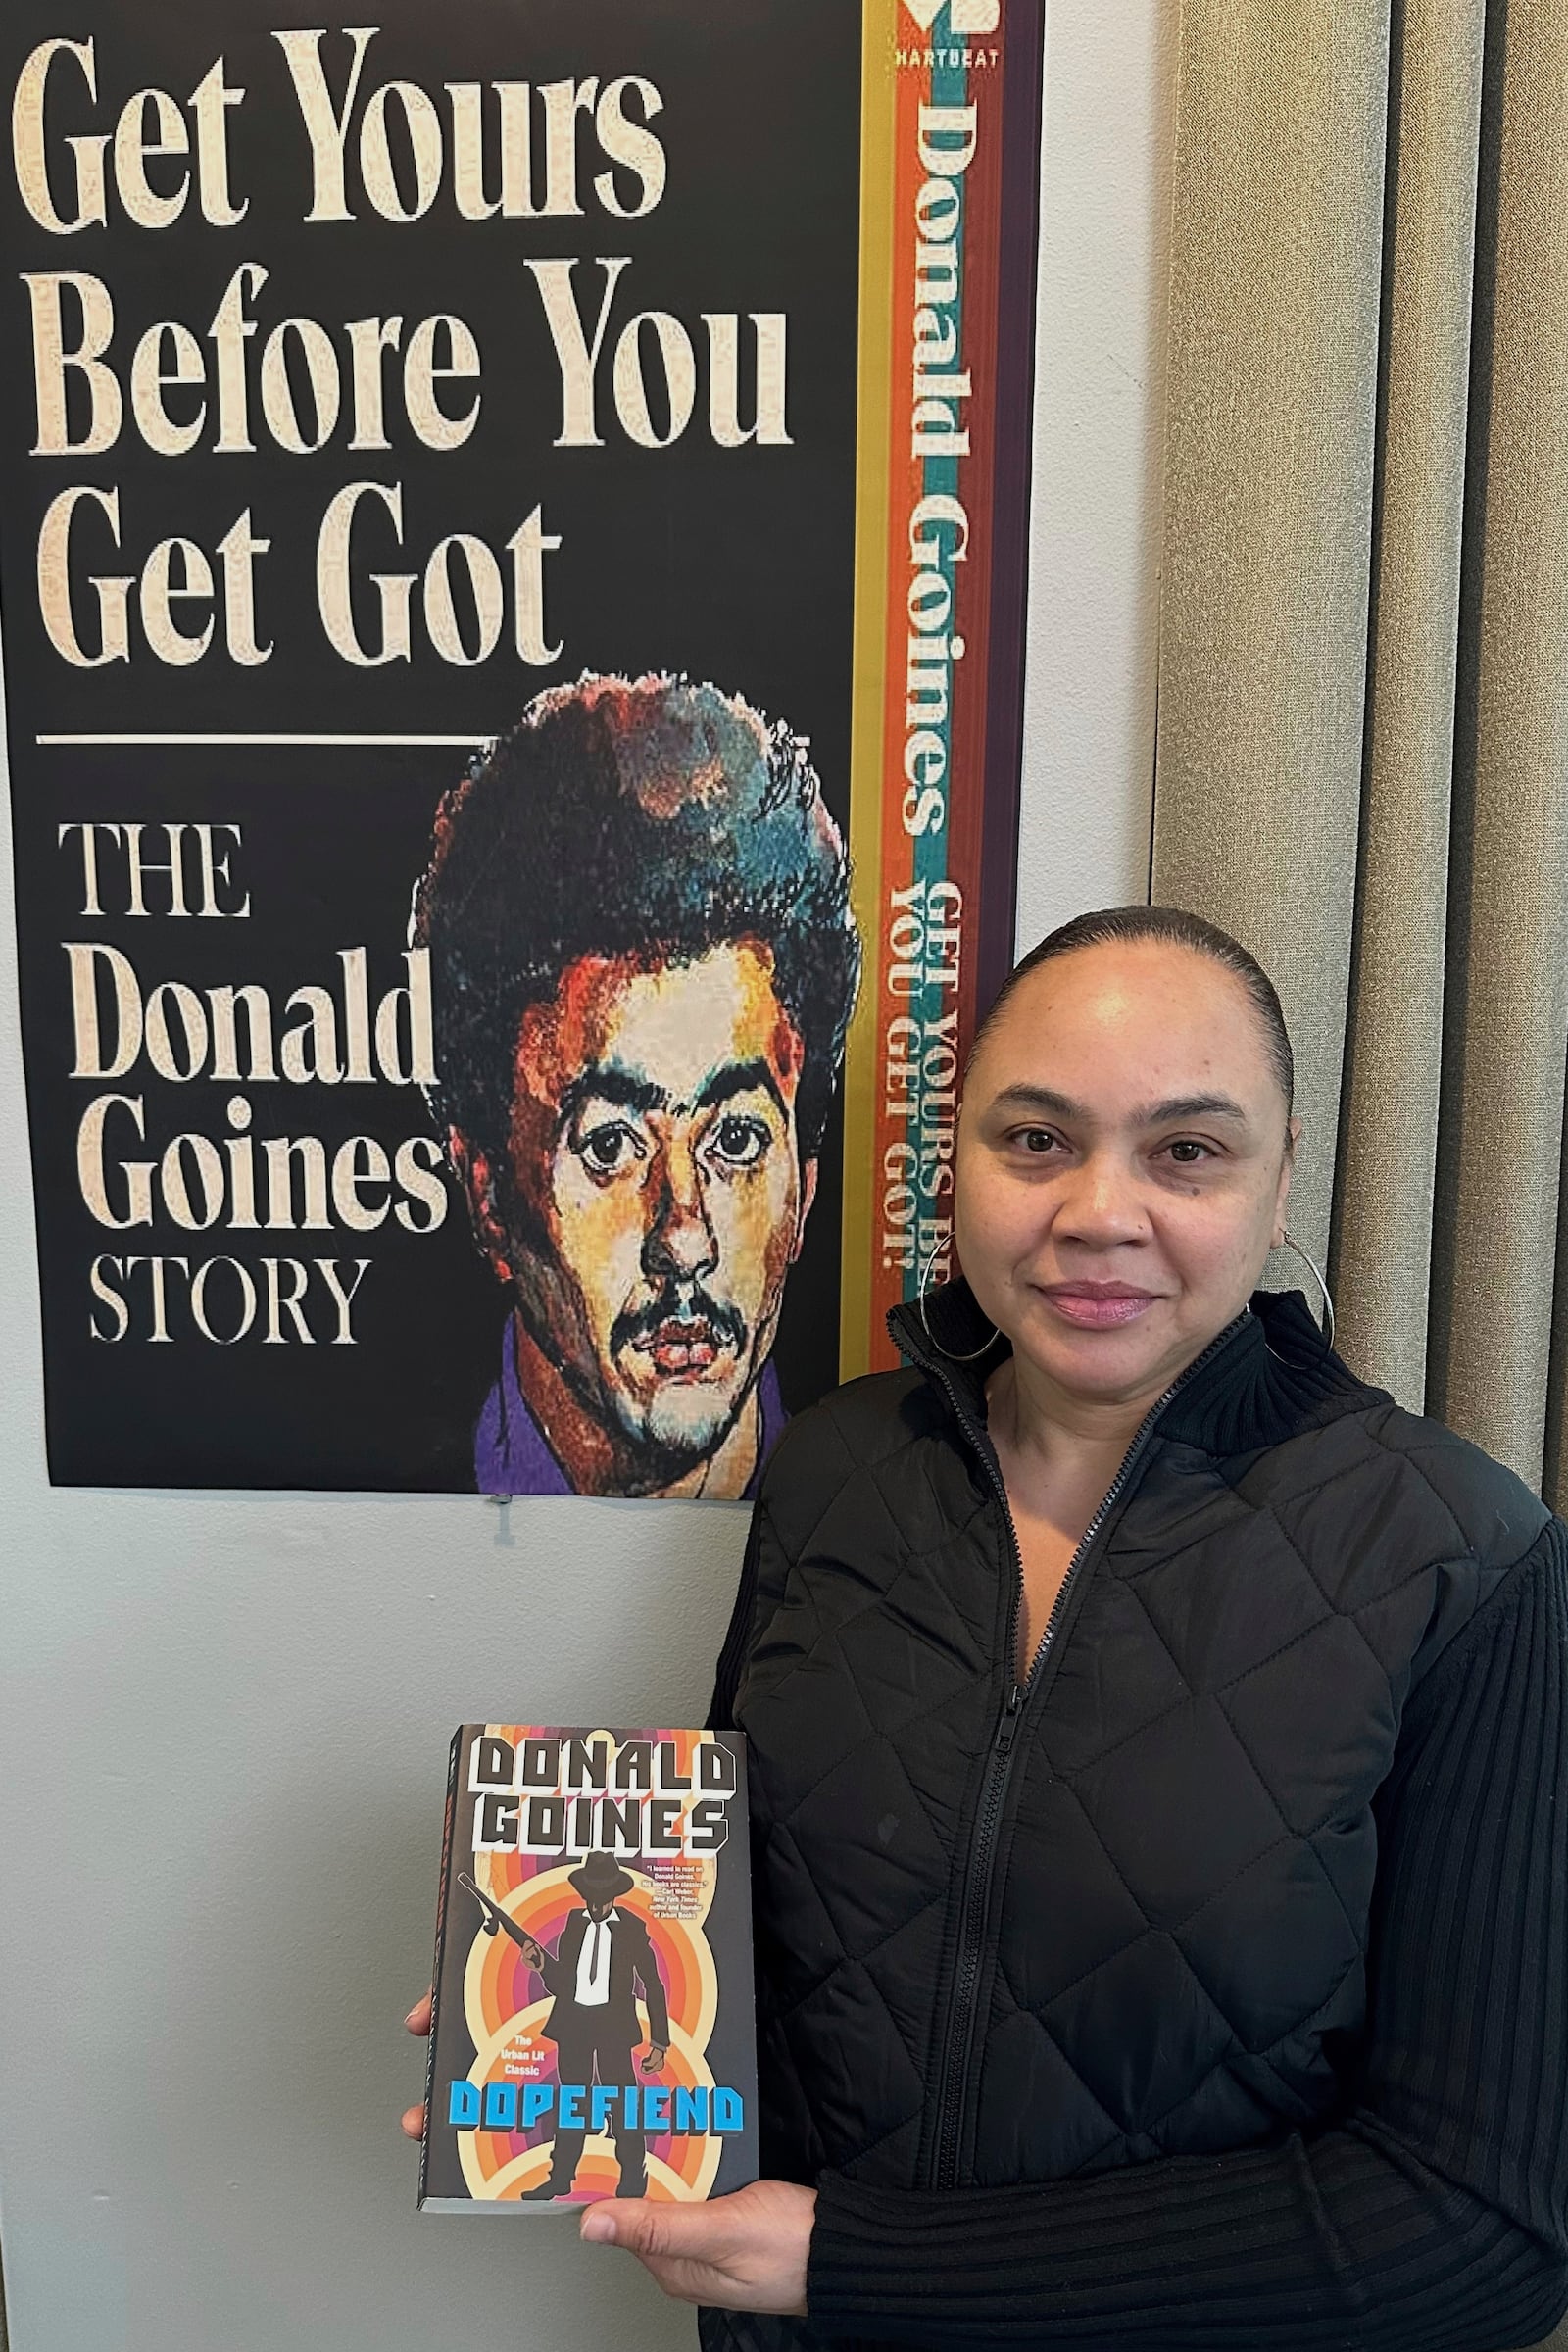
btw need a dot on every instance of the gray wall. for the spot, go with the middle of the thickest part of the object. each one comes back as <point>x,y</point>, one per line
<point>223,1718</point>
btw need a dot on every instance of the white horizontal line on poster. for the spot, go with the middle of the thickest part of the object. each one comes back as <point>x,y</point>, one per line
<point>287,742</point>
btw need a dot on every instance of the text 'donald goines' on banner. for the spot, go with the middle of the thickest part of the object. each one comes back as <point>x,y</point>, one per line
<point>512,549</point>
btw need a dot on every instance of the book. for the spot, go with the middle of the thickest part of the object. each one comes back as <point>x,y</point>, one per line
<point>593,2031</point>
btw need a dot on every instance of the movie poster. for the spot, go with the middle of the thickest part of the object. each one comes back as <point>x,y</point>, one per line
<point>512,528</point>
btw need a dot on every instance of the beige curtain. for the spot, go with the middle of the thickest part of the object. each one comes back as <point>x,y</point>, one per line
<point>1363,703</point>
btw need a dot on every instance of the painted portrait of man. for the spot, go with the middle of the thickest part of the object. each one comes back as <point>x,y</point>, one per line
<point>643,963</point>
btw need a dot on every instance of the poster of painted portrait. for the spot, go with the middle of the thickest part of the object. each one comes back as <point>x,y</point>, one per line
<point>512,548</point>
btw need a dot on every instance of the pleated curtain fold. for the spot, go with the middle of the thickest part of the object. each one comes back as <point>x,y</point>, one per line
<point>1362,764</point>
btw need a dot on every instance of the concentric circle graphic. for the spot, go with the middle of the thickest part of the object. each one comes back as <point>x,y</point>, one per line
<point>506,2005</point>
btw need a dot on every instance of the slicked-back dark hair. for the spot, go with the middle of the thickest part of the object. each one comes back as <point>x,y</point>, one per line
<point>1175,927</point>
<point>654,818</point>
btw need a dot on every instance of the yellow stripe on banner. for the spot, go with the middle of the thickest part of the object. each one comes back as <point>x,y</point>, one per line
<point>873,449</point>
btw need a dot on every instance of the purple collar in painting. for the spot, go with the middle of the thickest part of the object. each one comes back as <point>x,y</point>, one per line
<point>512,1454</point>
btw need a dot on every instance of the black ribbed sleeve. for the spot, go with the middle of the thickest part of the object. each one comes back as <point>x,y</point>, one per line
<point>1433,2215</point>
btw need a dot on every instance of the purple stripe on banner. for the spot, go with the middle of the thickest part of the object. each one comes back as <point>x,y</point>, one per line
<point>1024,72</point>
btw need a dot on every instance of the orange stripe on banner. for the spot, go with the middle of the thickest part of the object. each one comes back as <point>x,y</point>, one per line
<point>879,96</point>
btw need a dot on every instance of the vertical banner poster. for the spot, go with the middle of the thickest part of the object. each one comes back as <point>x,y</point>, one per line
<point>513,530</point>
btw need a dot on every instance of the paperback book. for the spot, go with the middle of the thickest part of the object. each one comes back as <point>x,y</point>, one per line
<point>593,2031</point>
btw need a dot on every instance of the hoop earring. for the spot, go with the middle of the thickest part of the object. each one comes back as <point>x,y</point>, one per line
<point>974,1353</point>
<point>1312,1268</point>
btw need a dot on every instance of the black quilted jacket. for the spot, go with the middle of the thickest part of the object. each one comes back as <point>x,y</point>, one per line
<point>1211,1992</point>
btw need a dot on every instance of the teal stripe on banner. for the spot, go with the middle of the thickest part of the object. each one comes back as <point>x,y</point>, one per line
<point>950,87</point>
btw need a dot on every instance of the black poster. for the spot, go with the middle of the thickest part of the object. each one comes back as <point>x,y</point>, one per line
<point>432,464</point>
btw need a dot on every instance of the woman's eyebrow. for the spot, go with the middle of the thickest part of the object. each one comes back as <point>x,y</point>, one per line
<point>1189,1106</point>
<point>1149,1114</point>
<point>1041,1098</point>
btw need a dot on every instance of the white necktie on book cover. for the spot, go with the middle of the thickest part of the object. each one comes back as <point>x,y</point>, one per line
<point>592,1963</point>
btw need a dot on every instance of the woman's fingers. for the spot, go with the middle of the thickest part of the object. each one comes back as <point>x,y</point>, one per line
<point>743,2252</point>
<point>418,2021</point>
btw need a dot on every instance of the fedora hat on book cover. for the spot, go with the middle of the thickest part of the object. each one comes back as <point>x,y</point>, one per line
<point>601,1878</point>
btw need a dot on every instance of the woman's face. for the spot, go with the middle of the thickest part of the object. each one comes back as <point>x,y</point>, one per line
<point>1122,1165</point>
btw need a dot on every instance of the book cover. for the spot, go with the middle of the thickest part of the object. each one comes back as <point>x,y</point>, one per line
<point>593,2031</point>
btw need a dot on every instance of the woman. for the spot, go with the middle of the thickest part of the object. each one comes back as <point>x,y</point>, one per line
<point>1159,1766</point>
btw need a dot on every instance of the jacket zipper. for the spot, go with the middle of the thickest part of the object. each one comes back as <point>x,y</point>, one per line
<point>959,2050</point>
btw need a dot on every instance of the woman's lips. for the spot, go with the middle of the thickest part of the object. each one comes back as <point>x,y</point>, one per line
<point>1095,1306</point>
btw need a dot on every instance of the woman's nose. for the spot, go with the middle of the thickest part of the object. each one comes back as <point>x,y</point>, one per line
<point>1100,1201</point>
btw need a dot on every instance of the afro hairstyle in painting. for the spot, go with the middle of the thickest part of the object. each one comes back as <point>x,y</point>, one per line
<point>652,819</point>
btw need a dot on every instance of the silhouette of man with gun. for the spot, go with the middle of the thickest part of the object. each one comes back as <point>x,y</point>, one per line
<point>604,1956</point>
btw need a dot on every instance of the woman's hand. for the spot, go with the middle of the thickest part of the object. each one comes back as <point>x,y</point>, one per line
<point>418,2021</point>
<point>745,2252</point>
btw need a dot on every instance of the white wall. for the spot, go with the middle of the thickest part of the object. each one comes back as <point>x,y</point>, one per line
<point>201,2054</point>
<point>1089,722</point>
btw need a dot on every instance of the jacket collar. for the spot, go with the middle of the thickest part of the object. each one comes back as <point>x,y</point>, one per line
<point>1266,1376</point>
